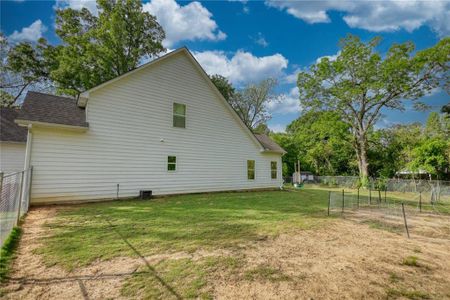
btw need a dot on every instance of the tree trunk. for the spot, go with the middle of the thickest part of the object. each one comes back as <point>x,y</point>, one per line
<point>361,155</point>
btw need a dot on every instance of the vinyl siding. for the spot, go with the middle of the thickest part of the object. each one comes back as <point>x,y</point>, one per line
<point>12,157</point>
<point>127,121</point>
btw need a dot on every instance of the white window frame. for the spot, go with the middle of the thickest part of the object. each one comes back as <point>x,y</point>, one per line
<point>274,170</point>
<point>254,169</point>
<point>178,115</point>
<point>171,163</point>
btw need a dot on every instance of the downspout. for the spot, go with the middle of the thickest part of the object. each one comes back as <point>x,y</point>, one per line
<point>26,167</point>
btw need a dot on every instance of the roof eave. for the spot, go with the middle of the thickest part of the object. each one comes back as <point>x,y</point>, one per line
<point>23,122</point>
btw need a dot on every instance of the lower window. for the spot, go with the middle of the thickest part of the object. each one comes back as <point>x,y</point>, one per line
<point>250,169</point>
<point>171,163</point>
<point>273,169</point>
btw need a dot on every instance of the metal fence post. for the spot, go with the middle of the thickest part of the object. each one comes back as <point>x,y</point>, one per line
<point>1,184</point>
<point>370,195</point>
<point>420,201</point>
<point>357,201</point>
<point>329,201</point>
<point>343,203</point>
<point>404,218</point>
<point>30,181</point>
<point>20,197</point>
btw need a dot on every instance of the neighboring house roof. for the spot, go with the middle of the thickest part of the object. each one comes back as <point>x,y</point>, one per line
<point>268,143</point>
<point>9,130</point>
<point>45,108</point>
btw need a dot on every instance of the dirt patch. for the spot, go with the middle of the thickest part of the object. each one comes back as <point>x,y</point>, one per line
<point>347,259</point>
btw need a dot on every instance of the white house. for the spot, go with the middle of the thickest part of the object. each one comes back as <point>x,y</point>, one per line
<point>162,127</point>
<point>12,142</point>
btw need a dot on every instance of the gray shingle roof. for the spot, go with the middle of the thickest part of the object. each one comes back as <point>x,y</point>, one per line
<point>268,143</point>
<point>47,108</point>
<point>10,131</point>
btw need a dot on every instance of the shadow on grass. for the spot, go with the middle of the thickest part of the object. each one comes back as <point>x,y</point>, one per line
<point>178,223</point>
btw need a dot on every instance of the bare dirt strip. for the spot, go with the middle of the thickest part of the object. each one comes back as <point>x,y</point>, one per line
<point>348,259</point>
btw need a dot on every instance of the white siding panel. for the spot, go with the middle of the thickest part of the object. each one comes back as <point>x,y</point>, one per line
<point>127,121</point>
<point>12,157</point>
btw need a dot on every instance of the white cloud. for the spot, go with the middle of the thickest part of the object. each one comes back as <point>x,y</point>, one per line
<point>189,22</point>
<point>91,5</point>
<point>288,103</point>
<point>242,67</point>
<point>261,40</point>
<point>330,57</point>
<point>388,15</point>
<point>31,33</point>
<point>277,127</point>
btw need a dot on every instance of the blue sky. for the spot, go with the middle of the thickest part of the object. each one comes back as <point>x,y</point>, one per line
<point>250,40</point>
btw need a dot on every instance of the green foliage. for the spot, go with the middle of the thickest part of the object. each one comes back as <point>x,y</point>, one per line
<point>96,49</point>
<point>411,261</point>
<point>224,86</point>
<point>321,141</point>
<point>250,103</point>
<point>361,82</point>
<point>24,66</point>
<point>432,156</point>
<point>7,252</point>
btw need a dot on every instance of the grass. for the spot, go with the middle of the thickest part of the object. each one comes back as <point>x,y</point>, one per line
<point>7,252</point>
<point>404,293</point>
<point>88,232</point>
<point>266,272</point>
<point>411,261</point>
<point>376,224</point>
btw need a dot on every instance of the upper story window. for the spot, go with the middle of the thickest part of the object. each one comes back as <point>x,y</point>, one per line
<point>250,169</point>
<point>179,115</point>
<point>273,169</point>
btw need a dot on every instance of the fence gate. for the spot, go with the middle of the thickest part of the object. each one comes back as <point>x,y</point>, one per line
<point>14,199</point>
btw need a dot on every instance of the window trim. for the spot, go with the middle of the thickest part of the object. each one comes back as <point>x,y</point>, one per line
<point>274,170</point>
<point>178,115</point>
<point>254,169</point>
<point>170,163</point>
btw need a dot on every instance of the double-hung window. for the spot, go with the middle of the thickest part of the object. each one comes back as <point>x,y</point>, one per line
<point>171,163</point>
<point>179,115</point>
<point>273,169</point>
<point>250,169</point>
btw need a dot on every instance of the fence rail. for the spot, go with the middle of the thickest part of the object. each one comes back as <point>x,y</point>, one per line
<point>14,199</point>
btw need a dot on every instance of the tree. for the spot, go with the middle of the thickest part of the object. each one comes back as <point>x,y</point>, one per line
<point>96,49</point>
<point>360,83</point>
<point>224,86</point>
<point>322,141</point>
<point>251,102</point>
<point>24,66</point>
<point>432,156</point>
<point>437,125</point>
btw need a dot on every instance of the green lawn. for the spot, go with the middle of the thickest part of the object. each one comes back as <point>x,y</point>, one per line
<point>82,234</point>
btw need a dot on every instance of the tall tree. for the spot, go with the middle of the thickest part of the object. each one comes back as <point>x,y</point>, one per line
<point>251,102</point>
<point>24,66</point>
<point>361,82</point>
<point>98,48</point>
<point>224,86</point>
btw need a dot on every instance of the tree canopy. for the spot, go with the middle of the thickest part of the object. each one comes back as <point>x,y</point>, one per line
<point>361,82</point>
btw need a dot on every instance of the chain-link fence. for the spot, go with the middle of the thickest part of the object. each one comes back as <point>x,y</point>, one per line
<point>14,199</point>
